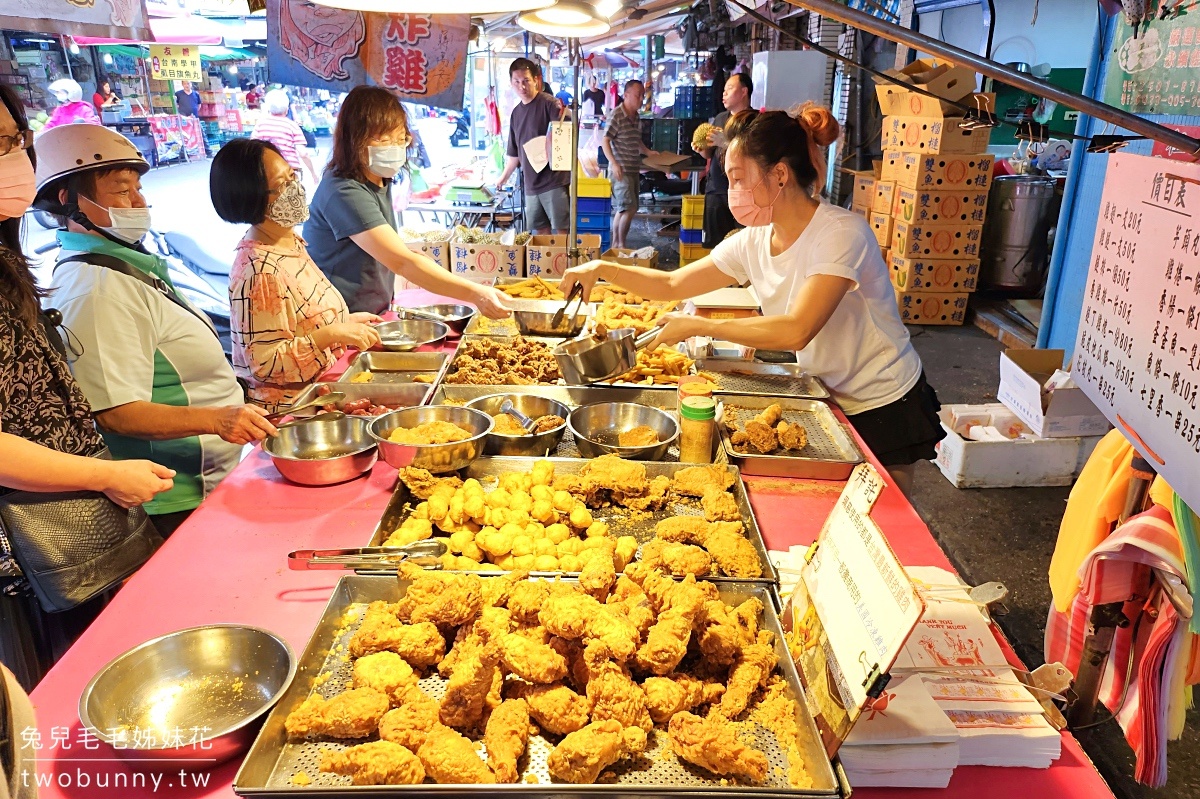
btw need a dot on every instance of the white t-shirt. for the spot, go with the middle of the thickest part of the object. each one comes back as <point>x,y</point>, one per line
<point>863,353</point>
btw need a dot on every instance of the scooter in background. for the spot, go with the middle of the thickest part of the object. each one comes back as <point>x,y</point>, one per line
<point>462,127</point>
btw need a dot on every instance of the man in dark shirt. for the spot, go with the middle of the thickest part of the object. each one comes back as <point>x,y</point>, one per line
<point>594,94</point>
<point>547,197</point>
<point>187,102</point>
<point>718,220</point>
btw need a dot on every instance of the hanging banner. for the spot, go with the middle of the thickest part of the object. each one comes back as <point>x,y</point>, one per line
<point>175,62</point>
<point>118,19</point>
<point>420,58</point>
<point>1156,69</point>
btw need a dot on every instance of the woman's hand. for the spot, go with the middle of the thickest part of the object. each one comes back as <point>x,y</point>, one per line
<point>242,424</point>
<point>677,327</point>
<point>365,318</point>
<point>358,335</point>
<point>584,275</point>
<point>493,303</point>
<point>130,483</point>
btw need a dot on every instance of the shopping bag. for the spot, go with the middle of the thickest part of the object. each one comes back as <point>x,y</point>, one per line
<point>558,144</point>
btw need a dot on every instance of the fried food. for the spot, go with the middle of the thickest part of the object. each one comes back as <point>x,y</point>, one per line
<point>674,693</point>
<point>723,633</point>
<point>387,673</point>
<point>682,530</point>
<point>711,743</point>
<point>616,474</point>
<point>574,616</point>
<point>750,671</point>
<point>654,497</point>
<point>720,506</point>
<point>612,692</point>
<point>350,714</point>
<point>766,433</point>
<point>582,755</point>
<point>531,660</point>
<point>462,706</point>
<point>421,644</point>
<point>694,481</point>
<point>506,425</point>
<point>423,484</point>
<point>761,436</point>
<point>446,599</point>
<point>791,436</point>
<point>408,724</point>
<point>506,737</point>
<point>677,605</point>
<point>600,572</point>
<point>556,708</point>
<point>437,432</point>
<point>641,317</point>
<point>450,758</point>
<point>375,763</point>
<point>677,559</point>
<point>640,436</point>
<point>662,366</point>
<point>514,361</point>
<point>532,288</point>
<point>770,415</point>
<point>732,551</point>
<point>526,599</point>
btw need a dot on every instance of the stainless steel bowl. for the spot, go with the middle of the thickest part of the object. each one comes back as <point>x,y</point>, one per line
<point>597,426</point>
<point>437,458</point>
<point>409,335</point>
<point>323,452</point>
<point>532,406</point>
<point>191,696</point>
<point>535,317</point>
<point>456,317</point>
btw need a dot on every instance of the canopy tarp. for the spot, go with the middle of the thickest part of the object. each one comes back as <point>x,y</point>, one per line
<point>126,21</point>
<point>167,30</point>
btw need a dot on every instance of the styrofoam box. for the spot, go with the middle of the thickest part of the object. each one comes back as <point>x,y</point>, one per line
<point>1020,462</point>
<point>1070,412</point>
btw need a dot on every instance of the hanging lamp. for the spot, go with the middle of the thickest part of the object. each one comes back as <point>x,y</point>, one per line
<point>442,6</point>
<point>569,18</point>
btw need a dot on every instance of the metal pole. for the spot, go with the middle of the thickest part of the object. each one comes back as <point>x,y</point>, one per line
<point>927,44</point>
<point>572,241</point>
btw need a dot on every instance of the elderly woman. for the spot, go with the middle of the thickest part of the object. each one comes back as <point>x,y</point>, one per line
<point>275,127</point>
<point>289,323</point>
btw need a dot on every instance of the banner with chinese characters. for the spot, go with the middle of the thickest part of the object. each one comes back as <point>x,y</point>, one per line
<point>175,62</point>
<point>1156,68</point>
<point>117,19</point>
<point>420,58</point>
<point>1137,355</point>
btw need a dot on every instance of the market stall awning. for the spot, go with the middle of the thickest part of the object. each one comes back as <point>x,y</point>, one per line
<point>217,54</point>
<point>122,21</point>
<point>171,30</point>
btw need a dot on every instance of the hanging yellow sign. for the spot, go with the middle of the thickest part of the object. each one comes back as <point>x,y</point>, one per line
<point>175,62</point>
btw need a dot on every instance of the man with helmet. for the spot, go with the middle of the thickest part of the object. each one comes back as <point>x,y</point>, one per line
<point>150,364</point>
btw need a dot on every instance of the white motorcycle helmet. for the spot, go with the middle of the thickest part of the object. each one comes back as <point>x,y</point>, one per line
<point>66,91</point>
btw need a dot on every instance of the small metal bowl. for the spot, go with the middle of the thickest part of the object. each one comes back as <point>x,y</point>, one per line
<point>323,452</point>
<point>437,458</point>
<point>412,335</point>
<point>532,406</point>
<point>597,426</point>
<point>456,317</point>
<point>190,696</point>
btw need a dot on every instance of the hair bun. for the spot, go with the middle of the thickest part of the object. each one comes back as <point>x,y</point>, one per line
<point>819,123</point>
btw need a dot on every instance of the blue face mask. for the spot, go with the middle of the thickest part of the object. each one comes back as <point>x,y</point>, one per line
<point>386,161</point>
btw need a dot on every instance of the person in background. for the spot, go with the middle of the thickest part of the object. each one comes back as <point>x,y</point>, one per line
<point>718,221</point>
<point>563,95</point>
<point>254,96</point>
<point>547,193</point>
<point>71,107</point>
<point>595,96</point>
<point>187,102</point>
<point>351,230</point>
<point>48,440</point>
<point>151,364</point>
<point>104,96</point>
<point>275,127</point>
<point>289,323</point>
<point>624,149</point>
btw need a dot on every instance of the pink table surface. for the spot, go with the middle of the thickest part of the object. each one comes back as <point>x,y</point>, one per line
<point>227,564</point>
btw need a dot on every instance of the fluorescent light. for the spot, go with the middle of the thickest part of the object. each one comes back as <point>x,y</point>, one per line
<point>107,58</point>
<point>443,6</point>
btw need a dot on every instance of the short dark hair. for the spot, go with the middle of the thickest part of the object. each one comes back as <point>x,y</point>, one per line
<point>368,112</point>
<point>525,64</point>
<point>237,181</point>
<point>745,81</point>
<point>629,83</point>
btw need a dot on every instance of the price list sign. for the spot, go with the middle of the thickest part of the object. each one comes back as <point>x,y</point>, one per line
<point>1138,352</point>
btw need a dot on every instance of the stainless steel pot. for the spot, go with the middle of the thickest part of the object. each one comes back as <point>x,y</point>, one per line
<point>596,429</point>
<point>323,451</point>
<point>583,361</point>
<point>456,317</point>
<point>409,335</point>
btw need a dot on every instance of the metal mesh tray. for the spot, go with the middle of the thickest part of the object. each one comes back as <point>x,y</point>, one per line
<point>398,367</point>
<point>740,376</point>
<point>831,453</point>
<point>400,395</point>
<point>621,521</point>
<point>273,761</point>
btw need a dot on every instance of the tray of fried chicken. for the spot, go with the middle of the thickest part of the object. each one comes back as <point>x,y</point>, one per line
<point>503,361</point>
<point>782,437</point>
<point>591,518</point>
<point>647,686</point>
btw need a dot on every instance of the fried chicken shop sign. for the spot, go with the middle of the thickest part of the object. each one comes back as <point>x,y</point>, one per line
<point>418,57</point>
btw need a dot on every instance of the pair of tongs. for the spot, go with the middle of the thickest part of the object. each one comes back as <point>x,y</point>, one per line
<point>425,554</point>
<point>576,294</point>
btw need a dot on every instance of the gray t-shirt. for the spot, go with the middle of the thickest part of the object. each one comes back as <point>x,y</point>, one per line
<point>342,207</point>
<point>528,121</point>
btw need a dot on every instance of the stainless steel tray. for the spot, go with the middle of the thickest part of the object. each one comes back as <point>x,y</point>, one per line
<point>398,367</point>
<point>273,761</point>
<point>740,376</point>
<point>480,325</point>
<point>620,521</point>
<point>398,394</point>
<point>831,453</point>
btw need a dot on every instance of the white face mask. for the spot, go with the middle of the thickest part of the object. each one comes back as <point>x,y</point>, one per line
<point>129,225</point>
<point>386,161</point>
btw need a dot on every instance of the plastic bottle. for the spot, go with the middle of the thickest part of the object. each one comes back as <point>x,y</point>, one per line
<point>697,429</point>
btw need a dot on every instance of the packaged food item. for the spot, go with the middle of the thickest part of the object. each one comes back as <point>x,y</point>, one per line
<point>697,429</point>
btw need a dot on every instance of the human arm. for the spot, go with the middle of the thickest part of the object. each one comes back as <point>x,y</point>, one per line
<point>511,162</point>
<point>606,146</point>
<point>152,421</point>
<point>652,284</point>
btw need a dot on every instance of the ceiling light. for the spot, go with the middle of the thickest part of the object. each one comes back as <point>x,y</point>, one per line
<point>499,43</point>
<point>443,6</point>
<point>107,58</point>
<point>74,49</point>
<point>571,18</point>
<point>565,14</point>
<point>606,8</point>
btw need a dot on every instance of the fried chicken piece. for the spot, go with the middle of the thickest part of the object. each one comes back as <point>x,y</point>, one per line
<point>525,600</point>
<point>762,437</point>
<point>655,497</point>
<point>678,604</point>
<point>600,573</point>
<point>531,661</point>
<point>387,673</point>
<point>544,424</point>
<point>408,724</point>
<point>629,600</point>
<point>682,530</point>
<point>438,597</point>
<point>468,687</point>
<point>712,744</point>
<point>770,414</point>
<point>720,506</point>
<point>640,436</point>
<point>740,441</point>
<point>678,559</point>
<point>423,484</point>
<point>375,763</point>
<point>491,624</point>
<point>556,708</point>
<point>732,551</point>
<point>616,474</point>
<point>506,737</point>
<point>750,671</point>
<point>575,615</point>
<point>611,692</point>
<point>686,597</point>
<point>508,426</point>
<point>428,433</point>
<point>450,759</point>
<point>666,696</point>
<point>581,756</point>
<point>421,645</point>
<point>695,480</point>
<point>791,436</point>
<point>497,590</point>
<point>350,714</point>
<point>724,633</point>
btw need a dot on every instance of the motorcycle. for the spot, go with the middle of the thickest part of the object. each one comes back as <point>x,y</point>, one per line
<point>462,127</point>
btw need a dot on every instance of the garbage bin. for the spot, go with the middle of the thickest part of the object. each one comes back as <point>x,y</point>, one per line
<point>1015,251</point>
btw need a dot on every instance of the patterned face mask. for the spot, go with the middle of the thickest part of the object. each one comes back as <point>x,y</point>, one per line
<point>291,206</point>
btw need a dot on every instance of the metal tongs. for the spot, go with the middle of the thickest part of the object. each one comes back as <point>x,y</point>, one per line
<point>425,554</point>
<point>332,398</point>
<point>576,294</point>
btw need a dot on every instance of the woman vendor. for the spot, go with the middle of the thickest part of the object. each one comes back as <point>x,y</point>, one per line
<point>822,282</point>
<point>351,230</point>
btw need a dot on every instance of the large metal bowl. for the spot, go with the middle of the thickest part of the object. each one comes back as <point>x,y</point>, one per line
<point>535,317</point>
<point>323,452</point>
<point>437,458</point>
<point>191,696</point>
<point>412,335</point>
<point>597,426</point>
<point>532,406</point>
<point>455,316</point>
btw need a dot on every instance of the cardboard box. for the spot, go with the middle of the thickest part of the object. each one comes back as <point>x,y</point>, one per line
<point>922,274</point>
<point>1008,464</point>
<point>944,80</point>
<point>932,135</point>
<point>436,251</point>
<point>627,257</point>
<point>864,189</point>
<point>483,263</point>
<point>885,193</point>
<point>963,206</point>
<point>932,308</point>
<point>911,240</point>
<point>938,172</point>
<point>546,256</point>
<point>1066,412</point>
<point>881,225</point>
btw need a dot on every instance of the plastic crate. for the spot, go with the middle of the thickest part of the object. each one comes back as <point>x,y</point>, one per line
<point>692,252</point>
<point>593,223</point>
<point>595,187</point>
<point>692,221</point>
<point>593,205</point>
<point>693,204</point>
<point>687,128</point>
<point>691,236</point>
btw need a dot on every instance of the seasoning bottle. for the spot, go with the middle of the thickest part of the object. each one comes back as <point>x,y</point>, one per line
<point>697,429</point>
<point>694,386</point>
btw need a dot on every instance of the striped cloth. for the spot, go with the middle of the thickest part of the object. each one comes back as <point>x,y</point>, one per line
<point>625,136</point>
<point>284,134</point>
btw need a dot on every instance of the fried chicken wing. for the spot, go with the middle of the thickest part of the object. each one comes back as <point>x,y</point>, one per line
<point>682,530</point>
<point>466,691</point>
<point>408,724</point>
<point>530,660</point>
<point>678,559</point>
<point>439,597</point>
<point>423,484</point>
<point>350,714</point>
<point>505,738</point>
<point>525,600</point>
<point>762,437</point>
<point>450,759</point>
<point>724,634</point>
<point>387,673</point>
<point>791,436</point>
<point>666,696</point>
<point>640,436</point>
<point>421,645</point>
<point>750,671</point>
<point>556,708</point>
<point>375,763</point>
<point>695,480</point>
<point>711,743</point>
<point>678,605</point>
<point>581,756</point>
<point>732,551</point>
<point>611,692</point>
<point>720,506</point>
<point>573,616</point>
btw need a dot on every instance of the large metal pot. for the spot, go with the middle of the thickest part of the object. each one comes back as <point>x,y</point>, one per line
<point>1015,251</point>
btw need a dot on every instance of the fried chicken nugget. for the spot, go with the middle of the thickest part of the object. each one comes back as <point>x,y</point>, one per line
<point>581,756</point>
<point>506,737</point>
<point>750,671</point>
<point>711,743</point>
<point>468,687</point>
<point>673,693</point>
<point>408,724</point>
<point>350,714</point>
<point>450,759</point>
<point>375,763</point>
<point>530,660</point>
<point>421,645</point>
<point>556,708</point>
<point>387,673</point>
<point>720,506</point>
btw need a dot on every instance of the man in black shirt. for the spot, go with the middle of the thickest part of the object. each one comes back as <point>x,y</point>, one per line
<point>547,196</point>
<point>594,94</point>
<point>187,102</point>
<point>718,221</point>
